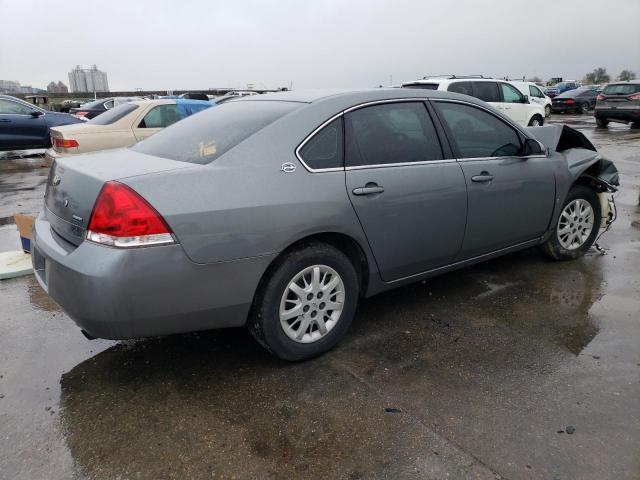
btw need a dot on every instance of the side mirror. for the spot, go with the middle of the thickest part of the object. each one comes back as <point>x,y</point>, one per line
<point>36,113</point>
<point>532,147</point>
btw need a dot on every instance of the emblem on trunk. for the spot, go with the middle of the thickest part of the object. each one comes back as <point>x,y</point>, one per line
<point>56,180</point>
<point>288,167</point>
<point>66,202</point>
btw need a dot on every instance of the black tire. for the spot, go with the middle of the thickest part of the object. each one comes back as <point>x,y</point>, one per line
<point>553,248</point>
<point>635,125</point>
<point>536,118</point>
<point>547,110</point>
<point>264,320</point>
<point>584,108</point>
<point>601,122</point>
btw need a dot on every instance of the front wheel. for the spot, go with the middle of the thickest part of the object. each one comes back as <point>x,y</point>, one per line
<point>306,303</point>
<point>536,121</point>
<point>547,110</point>
<point>577,226</point>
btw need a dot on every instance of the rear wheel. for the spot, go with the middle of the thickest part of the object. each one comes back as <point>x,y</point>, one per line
<point>584,108</point>
<point>601,122</point>
<point>536,121</point>
<point>306,303</point>
<point>577,226</point>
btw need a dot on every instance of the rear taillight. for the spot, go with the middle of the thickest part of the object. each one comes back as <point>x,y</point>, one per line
<point>64,143</point>
<point>122,218</point>
<point>570,101</point>
<point>635,96</point>
<point>600,97</point>
<point>81,115</point>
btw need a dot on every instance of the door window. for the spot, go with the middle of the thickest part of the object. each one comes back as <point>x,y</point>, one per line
<point>9,107</point>
<point>535,92</point>
<point>160,117</point>
<point>487,91</point>
<point>511,94</point>
<point>461,87</point>
<point>325,149</point>
<point>391,133</point>
<point>477,133</point>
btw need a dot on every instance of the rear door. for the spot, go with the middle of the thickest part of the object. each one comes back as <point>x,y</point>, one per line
<point>511,197</point>
<point>20,129</point>
<point>157,118</point>
<point>410,201</point>
<point>536,95</point>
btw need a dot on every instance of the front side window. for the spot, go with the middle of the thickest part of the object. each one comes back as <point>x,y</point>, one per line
<point>461,87</point>
<point>511,94</point>
<point>160,117</point>
<point>477,133</point>
<point>535,92</point>
<point>487,91</point>
<point>9,107</point>
<point>325,149</point>
<point>391,133</point>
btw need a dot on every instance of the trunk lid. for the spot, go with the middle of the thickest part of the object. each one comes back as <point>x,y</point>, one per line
<point>75,182</point>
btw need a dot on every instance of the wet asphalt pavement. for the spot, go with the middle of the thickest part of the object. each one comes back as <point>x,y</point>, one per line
<point>517,368</point>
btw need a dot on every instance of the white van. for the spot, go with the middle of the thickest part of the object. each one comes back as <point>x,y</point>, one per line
<point>536,94</point>
<point>498,93</point>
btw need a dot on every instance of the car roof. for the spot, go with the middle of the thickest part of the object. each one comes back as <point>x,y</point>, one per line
<point>625,82</point>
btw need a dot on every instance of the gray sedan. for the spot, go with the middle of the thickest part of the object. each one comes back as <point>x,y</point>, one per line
<point>281,211</point>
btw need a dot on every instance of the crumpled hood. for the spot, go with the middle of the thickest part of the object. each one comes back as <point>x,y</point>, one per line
<point>559,138</point>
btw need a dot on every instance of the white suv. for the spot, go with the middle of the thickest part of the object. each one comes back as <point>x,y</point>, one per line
<point>498,93</point>
<point>536,94</point>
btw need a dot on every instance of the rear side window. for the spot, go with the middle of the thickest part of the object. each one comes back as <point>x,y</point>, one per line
<point>326,148</point>
<point>422,86</point>
<point>511,94</point>
<point>461,87</point>
<point>391,133</point>
<point>160,117</point>
<point>476,133</point>
<point>204,137</point>
<point>621,89</point>
<point>112,116</point>
<point>487,91</point>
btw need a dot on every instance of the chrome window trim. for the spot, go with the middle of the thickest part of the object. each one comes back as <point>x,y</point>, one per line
<point>308,138</point>
<point>401,164</point>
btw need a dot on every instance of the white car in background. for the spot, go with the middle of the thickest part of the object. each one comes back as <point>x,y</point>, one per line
<point>498,93</point>
<point>121,126</point>
<point>536,94</point>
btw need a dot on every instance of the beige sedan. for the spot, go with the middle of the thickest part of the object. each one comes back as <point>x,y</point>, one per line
<point>122,126</point>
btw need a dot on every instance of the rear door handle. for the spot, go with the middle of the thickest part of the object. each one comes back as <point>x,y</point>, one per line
<point>368,189</point>
<point>482,178</point>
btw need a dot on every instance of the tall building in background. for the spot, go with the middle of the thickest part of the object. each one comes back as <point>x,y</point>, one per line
<point>88,79</point>
<point>59,87</point>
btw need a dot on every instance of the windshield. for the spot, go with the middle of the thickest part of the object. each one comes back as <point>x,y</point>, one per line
<point>94,104</point>
<point>204,137</point>
<point>113,115</point>
<point>621,89</point>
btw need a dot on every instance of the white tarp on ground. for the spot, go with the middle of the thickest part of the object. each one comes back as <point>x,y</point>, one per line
<point>15,264</point>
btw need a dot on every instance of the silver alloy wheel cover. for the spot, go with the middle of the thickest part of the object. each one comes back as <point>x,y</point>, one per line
<point>535,122</point>
<point>575,224</point>
<point>312,304</point>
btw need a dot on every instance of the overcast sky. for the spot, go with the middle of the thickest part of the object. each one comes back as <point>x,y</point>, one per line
<point>158,44</point>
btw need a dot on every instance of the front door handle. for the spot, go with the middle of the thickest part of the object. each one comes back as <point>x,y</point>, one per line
<point>482,178</point>
<point>369,189</point>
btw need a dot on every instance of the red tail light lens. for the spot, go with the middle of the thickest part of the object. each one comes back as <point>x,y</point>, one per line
<point>600,97</point>
<point>635,96</point>
<point>122,218</point>
<point>570,101</point>
<point>64,143</point>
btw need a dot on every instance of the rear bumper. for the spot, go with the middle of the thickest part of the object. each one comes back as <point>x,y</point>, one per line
<point>565,108</point>
<point>626,115</point>
<point>118,294</point>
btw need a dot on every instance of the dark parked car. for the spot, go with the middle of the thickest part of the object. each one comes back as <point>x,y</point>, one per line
<point>281,211</point>
<point>24,125</point>
<point>580,100</point>
<point>559,88</point>
<point>93,109</point>
<point>619,102</point>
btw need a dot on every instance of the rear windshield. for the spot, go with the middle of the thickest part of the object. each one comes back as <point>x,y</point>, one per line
<point>113,115</point>
<point>422,86</point>
<point>621,89</point>
<point>204,137</point>
<point>94,104</point>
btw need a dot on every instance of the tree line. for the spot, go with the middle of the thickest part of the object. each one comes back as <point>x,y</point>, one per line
<point>599,76</point>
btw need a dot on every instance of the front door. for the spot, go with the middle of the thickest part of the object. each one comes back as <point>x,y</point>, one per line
<point>511,197</point>
<point>20,129</point>
<point>410,202</point>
